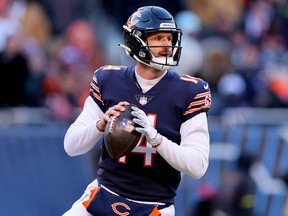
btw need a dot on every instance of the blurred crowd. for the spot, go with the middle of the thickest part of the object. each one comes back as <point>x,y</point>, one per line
<point>50,49</point>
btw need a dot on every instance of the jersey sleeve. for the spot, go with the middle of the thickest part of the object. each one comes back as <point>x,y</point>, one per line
<point>95,88</point>
<point>102,82</point>
<point>199,97</point>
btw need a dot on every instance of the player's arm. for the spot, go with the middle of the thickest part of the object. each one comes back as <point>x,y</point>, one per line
<point>83,134</point>
<point>88,128</point>
<point>191,156</point>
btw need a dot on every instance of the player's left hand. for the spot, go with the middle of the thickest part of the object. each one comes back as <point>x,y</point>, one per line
<point>151,134</point>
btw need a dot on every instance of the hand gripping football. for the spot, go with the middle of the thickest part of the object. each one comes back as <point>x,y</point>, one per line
<point>120,136</point>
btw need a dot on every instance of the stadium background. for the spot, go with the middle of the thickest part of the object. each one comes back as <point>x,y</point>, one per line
<point>239,47</point>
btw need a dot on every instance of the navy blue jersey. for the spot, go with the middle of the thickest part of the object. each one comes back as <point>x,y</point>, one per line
<point>143,174</point>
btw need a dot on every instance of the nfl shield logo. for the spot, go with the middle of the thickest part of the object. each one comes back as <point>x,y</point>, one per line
<point>127,125</point>
<point>143,100</point>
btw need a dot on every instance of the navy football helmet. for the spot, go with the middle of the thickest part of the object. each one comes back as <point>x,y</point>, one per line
<point>146,20</point>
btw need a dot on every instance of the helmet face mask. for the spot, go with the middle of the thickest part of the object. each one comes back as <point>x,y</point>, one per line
<point>159,63</point>
<point>147,20</point>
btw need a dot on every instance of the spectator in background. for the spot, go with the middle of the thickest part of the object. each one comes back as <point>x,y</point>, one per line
<point>23,27</point>
<point>9,25</point>
<point>276,78</point>
<point>62,13</point>
<point>257,19</point>
<point>218,17</point>
<point>232,89</point>
<point>217,52</point>
<point>35,23</point>
<point>37,64</point>
<point>245,59</point>
<point>74,59</point>
<point>14,73</point>
<point>245,189</point>
<point>237,190</point>
<point>207,201</point>
<point>191,61</point>
<point>78,57</point>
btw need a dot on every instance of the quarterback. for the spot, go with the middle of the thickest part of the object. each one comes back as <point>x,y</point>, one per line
<point>171,111</point>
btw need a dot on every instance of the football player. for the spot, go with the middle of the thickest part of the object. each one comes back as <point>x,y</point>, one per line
<point>171,111</point>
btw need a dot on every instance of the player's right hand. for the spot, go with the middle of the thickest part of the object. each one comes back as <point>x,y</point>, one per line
<point>112,111</point>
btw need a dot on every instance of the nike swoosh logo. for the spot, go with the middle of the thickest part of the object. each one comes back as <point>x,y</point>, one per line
<point>206,86</point>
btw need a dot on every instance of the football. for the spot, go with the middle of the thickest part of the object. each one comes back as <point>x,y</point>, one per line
<point>120,136</point>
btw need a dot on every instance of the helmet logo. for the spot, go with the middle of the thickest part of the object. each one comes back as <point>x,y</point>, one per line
<point>132,23</point>
<point>165,25</point>
<point>142,54</point>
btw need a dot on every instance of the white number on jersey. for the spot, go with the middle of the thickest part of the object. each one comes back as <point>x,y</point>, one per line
<point>143,147</point>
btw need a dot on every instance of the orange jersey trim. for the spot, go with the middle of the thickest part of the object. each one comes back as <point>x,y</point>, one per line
<point>92,195</point>
<point>155,212</point>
